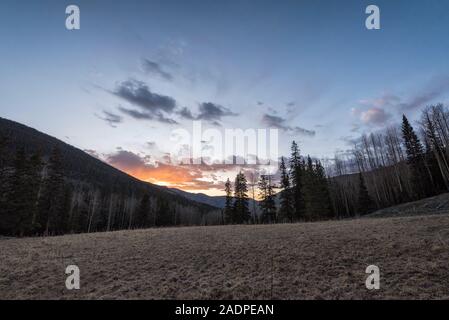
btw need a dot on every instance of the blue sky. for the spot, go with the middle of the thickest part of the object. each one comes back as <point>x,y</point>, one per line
<point>287,64</point>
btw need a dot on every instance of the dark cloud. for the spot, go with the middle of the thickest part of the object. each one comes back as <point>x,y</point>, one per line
<point>151,105</point>
<point>208,111</point>
<point>280,123</point>
<point>136,114</point>
<point>125,160</point>
<point>213,112</point>
<point>139,94</point>
<point>139,115</point>
<point>154,68</point>
<point>186,113</point>
<point>110,118</point>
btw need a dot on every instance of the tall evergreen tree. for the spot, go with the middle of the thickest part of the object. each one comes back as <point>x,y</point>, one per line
<point>229,208</point>
<point>324,201</point>
<point>267,202</point>
<point>365,204</point>
<point>296,172</point>
<point>22,194</point>
<point>241,211</point>
<point>415,159</point>
<point>286,210</point>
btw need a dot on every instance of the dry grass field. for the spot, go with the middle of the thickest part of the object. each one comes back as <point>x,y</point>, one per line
<point>292,261</point>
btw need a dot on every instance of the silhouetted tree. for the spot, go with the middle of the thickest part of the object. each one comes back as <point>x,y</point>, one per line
<point>267,203</point>
<point>365,204</point>
<point>285,195</point>
<point>415,159</point>
<point>296,172</point>
<point>241,211</point>
<point>229,207</point>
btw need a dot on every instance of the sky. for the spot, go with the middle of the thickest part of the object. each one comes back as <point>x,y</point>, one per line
<point>137,71</point>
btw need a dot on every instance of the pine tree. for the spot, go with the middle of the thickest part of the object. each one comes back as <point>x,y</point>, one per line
<point>365,204</point>
<point>310,191</point>
<point>20,209</point>
<point>296,172</point>
<point>415,159</point>
<point>15,209</point>
<point>324,201</point>
<point>228,209</point>
<point>267,202</point>
<point>241,211</point>
<point>286,199</point>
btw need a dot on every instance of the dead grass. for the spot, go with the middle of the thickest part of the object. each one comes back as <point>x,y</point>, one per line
<point>292,261</point>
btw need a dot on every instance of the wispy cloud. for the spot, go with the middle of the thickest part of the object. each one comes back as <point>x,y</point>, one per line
<point>281,123</point>
<point>110,118</point>
<point>378,110</point>
<point>208,111</point>
<point>154,68</point>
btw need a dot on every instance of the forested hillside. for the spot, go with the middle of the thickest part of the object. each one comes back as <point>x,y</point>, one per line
<point>50,187</point>
<point>393,166</point>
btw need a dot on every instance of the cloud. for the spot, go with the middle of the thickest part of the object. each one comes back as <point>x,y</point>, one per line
<point>434,89</point>
<point>208,111</point>
<point>111,118</point>
<point>385,100</point>
<point>138,115</point>
<point>154,68</point>
<point>213,112</point>
<point>375,116</point>
<point>163,172</point>
<point>125,160</point>
<point>186,113</point>
<point>151,144</point>
<point>151,105</point>
<point>280,123</point>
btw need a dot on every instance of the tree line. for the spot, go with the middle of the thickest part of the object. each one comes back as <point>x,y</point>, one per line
<point>38,198</point>
<point>386,168</point>
<point>399,164</point>
<point>300,193</point>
